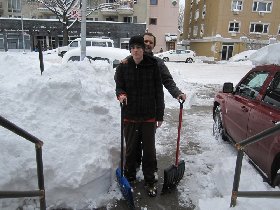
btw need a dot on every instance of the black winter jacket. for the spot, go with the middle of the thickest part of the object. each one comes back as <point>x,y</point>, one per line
<point>167,79</point>
<point>143,86</point>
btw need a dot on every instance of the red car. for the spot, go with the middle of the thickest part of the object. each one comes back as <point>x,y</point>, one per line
<point>246,110</point>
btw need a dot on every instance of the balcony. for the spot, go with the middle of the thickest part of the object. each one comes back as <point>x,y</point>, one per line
<point>114,9</point>
<point>109,12</point>
<point>125,10</point>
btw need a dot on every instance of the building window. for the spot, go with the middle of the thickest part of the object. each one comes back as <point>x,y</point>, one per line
<point>203,12</point>
<point>201,30</point>
<point>236,5</point>
<point>127,19</point>
<point>110,1</point>
<point>233,27</point>
<point>110,19</point>
<point>153,21</point>
<point>279,30</point>
<point>259,28</point>
<point>196,15</point>
<point>135,1</point>
<point>259,6</point>
<point>195,30</point>
<point>153,2</point>
<point>14,6</point>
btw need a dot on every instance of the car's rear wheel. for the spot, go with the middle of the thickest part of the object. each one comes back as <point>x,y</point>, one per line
<point>218,130</point>
<point>62,53</point>
<point>165,59</point>
<point>276,181</point>
<point>189,60</point>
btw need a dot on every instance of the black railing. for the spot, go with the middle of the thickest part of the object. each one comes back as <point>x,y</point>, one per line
<point>240,146</point>
<point>40,174</point>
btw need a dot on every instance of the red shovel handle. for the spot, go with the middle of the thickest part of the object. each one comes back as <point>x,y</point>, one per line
<point>179,131</point>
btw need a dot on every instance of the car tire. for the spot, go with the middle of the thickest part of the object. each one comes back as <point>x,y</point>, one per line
<point>276,181</point>
<point>62,53</point>
<point>218,129</point>
<point>189,60</point>
<point>165,59</point>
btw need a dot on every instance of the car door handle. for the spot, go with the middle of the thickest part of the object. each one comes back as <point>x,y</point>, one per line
<point>244,109</point>
<point>275,122</point>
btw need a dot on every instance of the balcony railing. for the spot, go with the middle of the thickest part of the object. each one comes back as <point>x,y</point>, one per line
<point>116,9</point>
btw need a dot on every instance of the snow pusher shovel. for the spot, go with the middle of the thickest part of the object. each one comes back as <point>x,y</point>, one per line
<point>174,173</point>
<point>122,181</point>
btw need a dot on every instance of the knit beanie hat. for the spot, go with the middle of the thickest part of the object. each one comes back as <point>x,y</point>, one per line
<point>136,40</point>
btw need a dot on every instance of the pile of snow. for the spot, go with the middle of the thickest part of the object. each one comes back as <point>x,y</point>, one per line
<point>72,108</point>
<point>267,55</point>
<point>243,56</point>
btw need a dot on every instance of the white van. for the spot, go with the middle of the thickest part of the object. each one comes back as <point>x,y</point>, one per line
<point>99,42</point>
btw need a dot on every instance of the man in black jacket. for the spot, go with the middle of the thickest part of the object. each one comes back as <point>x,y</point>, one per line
<point>167,81</point>
<point>166,77</point>
<point>139,87</point>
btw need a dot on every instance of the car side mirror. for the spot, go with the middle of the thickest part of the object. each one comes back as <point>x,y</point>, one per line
<point>228,87</point>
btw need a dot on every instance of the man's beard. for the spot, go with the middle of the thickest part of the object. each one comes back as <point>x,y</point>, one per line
<point>148,49</point>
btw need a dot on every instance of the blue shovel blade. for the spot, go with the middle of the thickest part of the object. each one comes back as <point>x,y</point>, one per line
<point>125,188</point>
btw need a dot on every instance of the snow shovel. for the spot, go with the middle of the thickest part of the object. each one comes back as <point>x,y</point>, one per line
<point>174,173</point>
<point>122,181</point>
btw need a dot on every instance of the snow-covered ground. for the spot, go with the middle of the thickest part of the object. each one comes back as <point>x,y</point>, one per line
<point>72,108</point>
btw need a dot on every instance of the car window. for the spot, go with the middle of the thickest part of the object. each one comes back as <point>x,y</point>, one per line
<point>272,95</point>
<point>110,44</point>
<point>252,84</point>
<point>77,58</point>
<point>74,58</point>
<point>74,44</point>
<point>99,44</point>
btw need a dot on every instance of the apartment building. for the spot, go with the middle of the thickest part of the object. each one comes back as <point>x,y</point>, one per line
<point>159,16</point>
<point>223,28</point>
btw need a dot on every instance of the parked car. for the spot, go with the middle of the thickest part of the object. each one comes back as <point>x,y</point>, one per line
<point>111,55</point>
<point>177,55</point>
<point>246,110</point>
<point>99,42</point>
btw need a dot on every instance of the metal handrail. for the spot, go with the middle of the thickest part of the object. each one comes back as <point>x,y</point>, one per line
<point>40,174</point>
<point>240,146</point>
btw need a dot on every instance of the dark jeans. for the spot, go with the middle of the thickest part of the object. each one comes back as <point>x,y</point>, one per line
<point>140,132</point>
<point>139,155</point>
